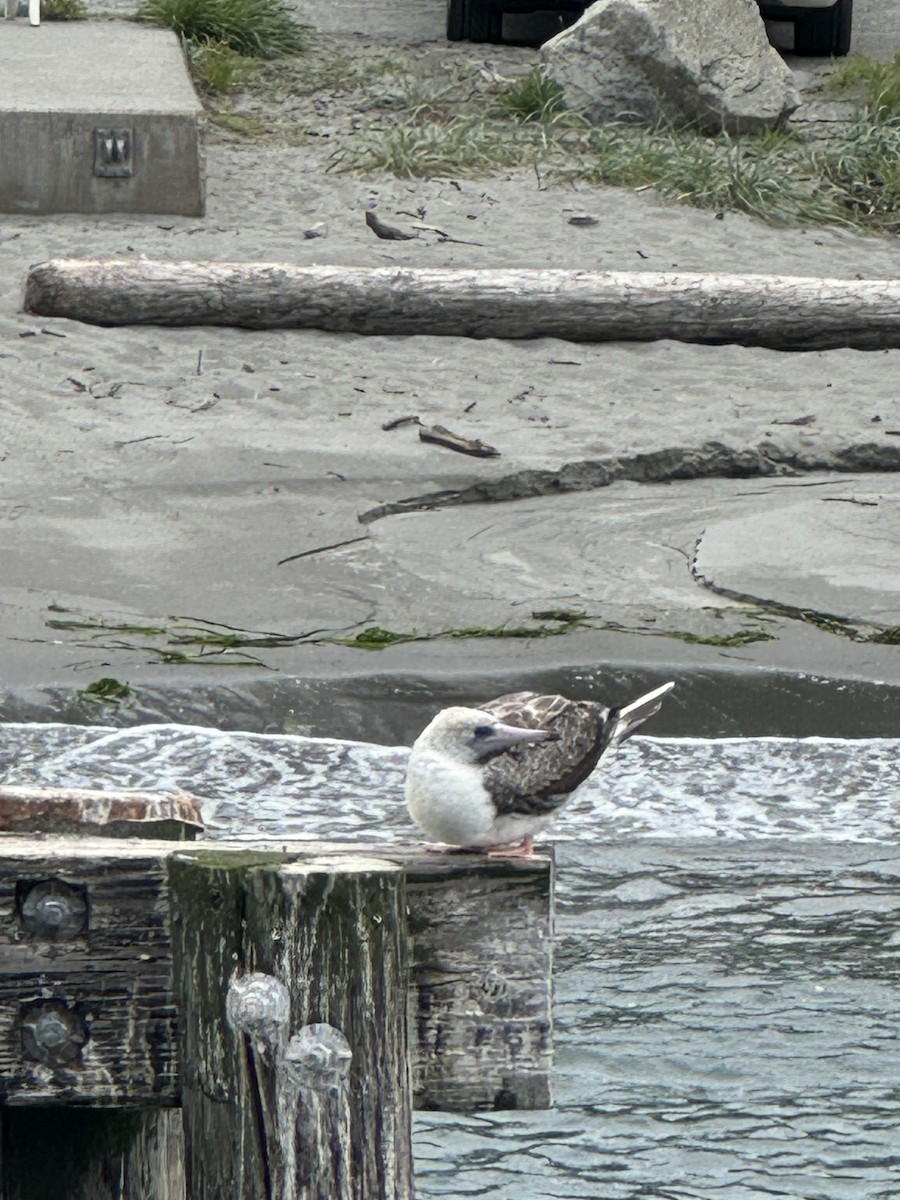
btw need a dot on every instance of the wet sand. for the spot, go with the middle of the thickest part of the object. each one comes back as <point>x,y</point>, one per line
<point>156,476</point>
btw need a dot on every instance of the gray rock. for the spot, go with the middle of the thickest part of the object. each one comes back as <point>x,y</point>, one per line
<point>703,62</point>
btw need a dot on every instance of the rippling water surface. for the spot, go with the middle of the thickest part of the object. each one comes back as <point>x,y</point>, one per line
<point>728,961</point>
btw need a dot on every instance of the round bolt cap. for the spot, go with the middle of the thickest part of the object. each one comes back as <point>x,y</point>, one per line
<point>52,1034</point>
<point>53,910</point>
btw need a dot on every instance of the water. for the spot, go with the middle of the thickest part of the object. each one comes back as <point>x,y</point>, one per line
<point>727,976</point>
<point>264,786</point>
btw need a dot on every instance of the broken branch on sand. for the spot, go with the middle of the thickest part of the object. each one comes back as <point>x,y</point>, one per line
<point>781,312</point>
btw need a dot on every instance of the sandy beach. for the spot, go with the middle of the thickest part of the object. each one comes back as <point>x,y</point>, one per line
<point>152,478</point>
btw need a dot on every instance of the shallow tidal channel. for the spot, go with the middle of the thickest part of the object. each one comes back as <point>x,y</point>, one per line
<point>727,960</point>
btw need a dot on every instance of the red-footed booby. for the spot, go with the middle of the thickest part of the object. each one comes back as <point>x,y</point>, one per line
<point>496,776</point>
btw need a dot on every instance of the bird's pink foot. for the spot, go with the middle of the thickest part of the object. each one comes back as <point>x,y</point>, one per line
<point>524,850</point>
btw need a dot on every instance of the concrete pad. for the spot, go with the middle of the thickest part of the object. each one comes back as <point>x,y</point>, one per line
<point>98,116</point>
<point>836,554</point>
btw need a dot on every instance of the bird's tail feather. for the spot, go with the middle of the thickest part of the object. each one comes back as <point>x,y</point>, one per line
<point>623,722</point>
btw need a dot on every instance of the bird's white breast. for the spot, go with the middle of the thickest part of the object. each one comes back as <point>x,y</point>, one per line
<point>447,799</point>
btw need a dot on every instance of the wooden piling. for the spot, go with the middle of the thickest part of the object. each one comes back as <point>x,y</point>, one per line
<point>482,962</point>
<point>331,933</point>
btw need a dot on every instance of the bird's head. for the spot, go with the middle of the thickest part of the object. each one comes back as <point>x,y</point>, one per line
<point>470,735</point>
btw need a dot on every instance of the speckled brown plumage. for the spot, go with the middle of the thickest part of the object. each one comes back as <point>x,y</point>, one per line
<point>537,779</point>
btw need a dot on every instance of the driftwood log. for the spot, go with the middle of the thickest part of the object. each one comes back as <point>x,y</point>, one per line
<point>780,312</point>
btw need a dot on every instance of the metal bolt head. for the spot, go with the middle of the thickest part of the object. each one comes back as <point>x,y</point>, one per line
<point>259,1005</point>
<point>53,910</point>
<point>318,1057</point>
<point>52,1033</point>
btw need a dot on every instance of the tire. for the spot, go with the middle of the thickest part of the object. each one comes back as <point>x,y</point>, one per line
<point>485,21</point>
<point>825,31</point>
<point>457,20</point>
<point>842,28</point>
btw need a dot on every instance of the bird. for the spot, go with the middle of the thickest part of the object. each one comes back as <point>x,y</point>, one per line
<point>491,778</point>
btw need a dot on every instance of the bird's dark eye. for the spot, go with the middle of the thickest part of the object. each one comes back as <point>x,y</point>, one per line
<point>484,731</point>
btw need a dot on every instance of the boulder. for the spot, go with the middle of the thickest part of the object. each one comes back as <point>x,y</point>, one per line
<point>706,63</point>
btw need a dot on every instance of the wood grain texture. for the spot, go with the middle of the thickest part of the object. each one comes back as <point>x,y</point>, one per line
<point>336,927</point>
<point>111,979</point>
<point>222,1143</point>
<point>482,947</point>
<point>91,1154</point>
<point>333,930</point>
<point>781,312</point>
<point>479,934</point>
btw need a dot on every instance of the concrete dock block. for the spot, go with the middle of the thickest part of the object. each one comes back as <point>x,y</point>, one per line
<point>98,116</point>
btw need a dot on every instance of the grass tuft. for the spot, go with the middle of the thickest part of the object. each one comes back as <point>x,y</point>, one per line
<point>534,97</point>
<point>254,28</point>
<point>880,82</point>
<point>765,177</point>
<point>434,149</point>
<point>863,166</point>
<point>63,10</point>
<point>216,68</point>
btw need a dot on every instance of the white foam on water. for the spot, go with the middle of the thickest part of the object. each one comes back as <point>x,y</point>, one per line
<point>278,785</point>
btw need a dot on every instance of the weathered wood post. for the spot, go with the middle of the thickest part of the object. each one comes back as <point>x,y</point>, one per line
<point>263,948</point>
<point>314,1110</point>
<point>87,1047</point>
<point>482,974</point>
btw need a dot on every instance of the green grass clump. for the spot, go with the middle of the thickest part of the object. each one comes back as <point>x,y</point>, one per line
<point>107,691</point>
<point>534,97</point>
<point>880,81</point>
<point>850,180</point>
<point>765,177</point>
<point>254,28</point>
<point>863,165</point>
<point>63,10</point>
<point>428,149</point>
<point>216,67</point>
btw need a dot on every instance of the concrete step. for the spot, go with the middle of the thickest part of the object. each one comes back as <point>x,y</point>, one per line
<point>98,116</point>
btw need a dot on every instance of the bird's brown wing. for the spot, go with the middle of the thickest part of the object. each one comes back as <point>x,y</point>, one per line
<point>537,778</point>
